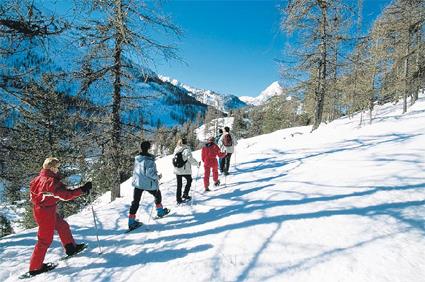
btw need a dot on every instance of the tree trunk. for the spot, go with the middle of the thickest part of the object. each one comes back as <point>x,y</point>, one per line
<point>415,95</point>
<point>371,105</point>
<point>116,103</point>
<point>321,90</point>
<point>406,73</point>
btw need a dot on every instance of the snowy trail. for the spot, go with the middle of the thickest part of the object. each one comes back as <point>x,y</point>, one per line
<point>345,203</point>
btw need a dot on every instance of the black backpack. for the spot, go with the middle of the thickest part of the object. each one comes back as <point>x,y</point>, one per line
<point>178,160</point>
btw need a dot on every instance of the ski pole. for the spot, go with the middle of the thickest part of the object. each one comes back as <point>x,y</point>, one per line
<point>150,214</point>
<point>235,156</point>
<point>95,224</point>
<point>194,186</point>
<point>141,200</point>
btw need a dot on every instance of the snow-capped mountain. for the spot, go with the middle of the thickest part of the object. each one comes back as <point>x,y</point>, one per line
<point>158,102</point>
<point>274,89</point>
<point>219,101</point>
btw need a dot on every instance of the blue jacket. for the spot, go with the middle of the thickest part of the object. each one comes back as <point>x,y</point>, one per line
<point>145,174</point>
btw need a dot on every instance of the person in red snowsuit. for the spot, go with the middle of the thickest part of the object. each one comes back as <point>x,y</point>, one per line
<point>210,152</point>
<point>45,191</point>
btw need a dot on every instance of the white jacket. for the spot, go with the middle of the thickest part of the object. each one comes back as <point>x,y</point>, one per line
<point>145,175</point>
<point>190,160</point>
<point>227,149</point>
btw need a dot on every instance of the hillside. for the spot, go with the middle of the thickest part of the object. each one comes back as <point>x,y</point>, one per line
<point>147,96</point>
<point>344,203</point>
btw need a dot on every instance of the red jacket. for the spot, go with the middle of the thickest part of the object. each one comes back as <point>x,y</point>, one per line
<point>46,189</point>
<point>210,152</point>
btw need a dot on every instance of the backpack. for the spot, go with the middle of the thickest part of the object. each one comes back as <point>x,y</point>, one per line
<point>178,160</point>
<point>227,140</point>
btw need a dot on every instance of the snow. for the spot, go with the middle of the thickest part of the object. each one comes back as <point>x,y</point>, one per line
<point>344,203</point>
<point>213,127</point>
<point>222,102</point>
<point>274,89</point>
<point>14,213</point>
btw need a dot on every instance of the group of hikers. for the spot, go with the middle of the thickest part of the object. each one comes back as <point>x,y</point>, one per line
<point>146,177</point>
<point>47,189</point>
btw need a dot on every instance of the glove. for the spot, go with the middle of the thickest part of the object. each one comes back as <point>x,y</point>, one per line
<point>160,176</point>
<point>86,187</point>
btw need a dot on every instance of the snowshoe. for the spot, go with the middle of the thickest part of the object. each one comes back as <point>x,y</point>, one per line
<point>45,268</point>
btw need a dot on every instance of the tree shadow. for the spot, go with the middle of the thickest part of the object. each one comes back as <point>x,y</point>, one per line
<point>112,261</point>
<point>246,207</point>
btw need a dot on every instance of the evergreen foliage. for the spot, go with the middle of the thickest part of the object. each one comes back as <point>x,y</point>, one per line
<point>5,226</point>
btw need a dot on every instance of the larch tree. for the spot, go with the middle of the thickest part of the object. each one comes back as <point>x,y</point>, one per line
<point>317,28</point>
<point>121,37</point>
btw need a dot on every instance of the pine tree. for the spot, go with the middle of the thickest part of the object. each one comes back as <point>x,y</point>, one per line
<point>121,29</point>
<point>5,226</point>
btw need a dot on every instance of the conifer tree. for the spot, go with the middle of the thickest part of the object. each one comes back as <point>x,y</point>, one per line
<point>120,31</point>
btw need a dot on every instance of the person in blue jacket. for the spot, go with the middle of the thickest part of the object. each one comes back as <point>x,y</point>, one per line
<point>145,178</point>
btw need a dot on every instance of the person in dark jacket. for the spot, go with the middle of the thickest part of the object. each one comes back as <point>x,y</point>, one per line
<point>45,191</point>
<point>145,178</point>
<point>210,152</point>
<point>227,145</point>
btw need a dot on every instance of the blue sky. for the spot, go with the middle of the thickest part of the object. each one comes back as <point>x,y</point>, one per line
<point>231,46</point>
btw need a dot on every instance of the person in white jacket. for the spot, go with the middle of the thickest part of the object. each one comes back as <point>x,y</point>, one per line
<point>145,178</point>
<point>184,169</point>
<point>227,145</point>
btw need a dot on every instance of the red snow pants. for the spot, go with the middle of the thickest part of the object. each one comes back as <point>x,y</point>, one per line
<point>48,221</point>
<point>207,171</point>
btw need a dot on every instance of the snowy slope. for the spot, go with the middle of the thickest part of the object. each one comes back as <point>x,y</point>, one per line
<point>274,89</point>
<point>345,203</point>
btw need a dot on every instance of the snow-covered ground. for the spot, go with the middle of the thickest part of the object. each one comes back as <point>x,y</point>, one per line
<point>212,128</point>
<point>344,203</point>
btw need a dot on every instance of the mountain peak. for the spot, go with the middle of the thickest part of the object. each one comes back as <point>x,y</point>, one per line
<point>274,89</point>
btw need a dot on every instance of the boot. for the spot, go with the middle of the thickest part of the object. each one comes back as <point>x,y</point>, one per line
<point>71,249</point>
<point>132,223</point>
<point>187,198</point>
<point>161,212</point>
